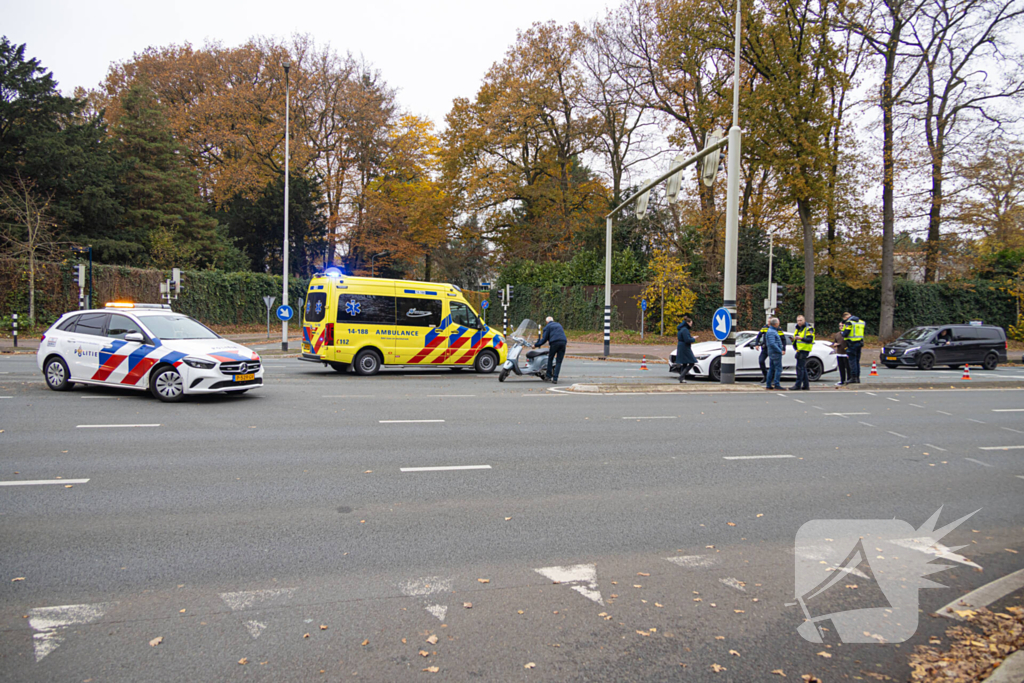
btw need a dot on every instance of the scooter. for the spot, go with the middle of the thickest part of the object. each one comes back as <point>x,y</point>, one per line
<point>536,360</point>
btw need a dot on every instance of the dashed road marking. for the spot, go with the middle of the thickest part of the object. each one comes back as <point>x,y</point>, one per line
<point>870,394</point>
<point>798,400</point>
<point>889,398</point>
<point>943,412</point>
<point>582,578</point>
<point>930,445</point>
<point>755,457</point>
<point>43,482</point>
<point>902,436</point>
<point>692,561</point>
<point>445,468</point>
<point>49,622</point>
<point>1008,410</point>
<point>114,426</point>
<point>1016,431</point>
<point>1000,448</point>
<point>385,422</point>
<point>867,424</point>
<point>652,417</point>
<point>845,414</point>
<point>971,419</point>
<point>977,462</point>
<point>915,405</point>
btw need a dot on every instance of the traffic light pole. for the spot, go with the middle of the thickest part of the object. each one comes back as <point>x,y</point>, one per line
<point>732,215</point>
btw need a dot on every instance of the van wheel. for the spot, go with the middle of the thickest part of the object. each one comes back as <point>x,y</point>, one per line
<point>367,362</point>
<point>57,375</point>
<point>486,362</point>
<point>990,362</point>
<point>926,362</point>
<point>339,367</point>
<point>167,385</point>
<point>814,369</point>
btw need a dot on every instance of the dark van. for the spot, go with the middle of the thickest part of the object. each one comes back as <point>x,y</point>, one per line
<point>950,345</point>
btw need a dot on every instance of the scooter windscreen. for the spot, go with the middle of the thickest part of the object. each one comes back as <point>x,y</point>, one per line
<point>524,331</point>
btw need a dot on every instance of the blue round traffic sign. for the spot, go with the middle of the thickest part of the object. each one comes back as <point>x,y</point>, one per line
<point>643,304</point>
<point>721,323</point>
<point>285,313</point>
<point>485,304</point>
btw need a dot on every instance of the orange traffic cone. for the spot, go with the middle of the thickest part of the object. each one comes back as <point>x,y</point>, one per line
<point>967,371</point>
<point>643,362</point>
<point>874,369</point>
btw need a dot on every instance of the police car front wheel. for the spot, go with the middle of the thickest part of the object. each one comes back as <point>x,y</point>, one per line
<point>57,375</point>
<point>167,384</point>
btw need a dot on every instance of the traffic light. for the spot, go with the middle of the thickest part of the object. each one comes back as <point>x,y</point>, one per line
<point>779,296</point>
<point>80,275</point>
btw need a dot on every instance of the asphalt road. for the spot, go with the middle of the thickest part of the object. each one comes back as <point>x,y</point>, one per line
<point>236,526</point>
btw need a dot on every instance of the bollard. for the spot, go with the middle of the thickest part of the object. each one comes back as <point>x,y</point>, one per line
<point>14,328</point>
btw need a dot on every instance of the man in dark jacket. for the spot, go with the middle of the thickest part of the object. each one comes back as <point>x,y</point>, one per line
<point>762,359</point>
<point>556,340</point>
<point>684,354</point>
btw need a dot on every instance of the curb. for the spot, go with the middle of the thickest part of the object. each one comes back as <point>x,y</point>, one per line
<point>1011,670</point>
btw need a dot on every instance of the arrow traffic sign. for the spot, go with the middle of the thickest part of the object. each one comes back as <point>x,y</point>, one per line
<point>285,313</point>
<point>721,323</point>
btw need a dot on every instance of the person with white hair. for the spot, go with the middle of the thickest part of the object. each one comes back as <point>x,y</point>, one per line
<point>554,337</point>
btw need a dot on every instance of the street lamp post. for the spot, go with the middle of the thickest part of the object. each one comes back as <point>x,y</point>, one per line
<point>732,216</point>
<point>284,249</point>
<point>383,253</point>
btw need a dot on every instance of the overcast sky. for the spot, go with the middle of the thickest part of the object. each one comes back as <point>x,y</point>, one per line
<point>431,51</point>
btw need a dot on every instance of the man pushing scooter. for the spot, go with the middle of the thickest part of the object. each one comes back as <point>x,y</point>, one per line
<point>556,340</point>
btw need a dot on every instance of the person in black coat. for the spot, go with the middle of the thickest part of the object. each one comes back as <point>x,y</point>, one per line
<point>684,355</point>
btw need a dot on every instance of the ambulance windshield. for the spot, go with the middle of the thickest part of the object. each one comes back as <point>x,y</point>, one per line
<point>524,330</point>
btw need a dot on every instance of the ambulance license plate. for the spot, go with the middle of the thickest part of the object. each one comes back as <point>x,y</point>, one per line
<point>305,348</point>
<point>891,358</point>
<point>245,378</point>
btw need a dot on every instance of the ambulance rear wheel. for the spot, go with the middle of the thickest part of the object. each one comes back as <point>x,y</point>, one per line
<point>367,362</point>
<point>486,362</point>
<point>339,367</point>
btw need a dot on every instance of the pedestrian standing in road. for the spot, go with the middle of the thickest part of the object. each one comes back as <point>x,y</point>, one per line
<point>842,360</point>
<point>853,333</point>
<point>761,345</point>
<point>554,337</point>
<point>773,341</point>
<point>684,354</point>
<point>803,339</point>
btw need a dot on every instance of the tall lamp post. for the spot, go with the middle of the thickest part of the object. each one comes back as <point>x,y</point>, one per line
<point>284,250</point>
<point>383,253</point>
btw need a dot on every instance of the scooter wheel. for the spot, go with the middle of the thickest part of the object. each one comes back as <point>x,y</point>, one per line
<point>502,375</point>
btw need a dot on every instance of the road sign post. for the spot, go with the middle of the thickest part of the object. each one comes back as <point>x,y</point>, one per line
<point>269,301</point>
<point>643,316</point>
<point>14,328</point>
<point>484,305</point>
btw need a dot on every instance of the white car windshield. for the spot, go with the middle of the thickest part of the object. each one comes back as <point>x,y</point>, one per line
<point>177,327</point>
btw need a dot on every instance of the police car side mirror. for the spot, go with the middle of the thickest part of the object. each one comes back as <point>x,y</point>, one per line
<point>134,337</point>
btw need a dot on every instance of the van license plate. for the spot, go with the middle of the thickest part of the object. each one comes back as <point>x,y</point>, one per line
<point>245,378</point>
<point>891,358</point>
<point>305,348</point>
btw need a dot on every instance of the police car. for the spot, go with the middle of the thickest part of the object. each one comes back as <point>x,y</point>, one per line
<point>145,346</point>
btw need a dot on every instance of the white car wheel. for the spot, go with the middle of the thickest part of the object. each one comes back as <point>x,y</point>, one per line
<point>167,385</point>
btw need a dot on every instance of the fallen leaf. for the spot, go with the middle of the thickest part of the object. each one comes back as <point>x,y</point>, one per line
<point>156,641</point>
<point>243,660</point>
<point>181,611</point>
<point>67,486</point>
<point>851,585</point>
<point>696,599</point>
<point>603,614</point>
<point>307,636</point>
<point>18,578</point>
<point>643,633</point>
<point>529,665</point>
<point>424,653</point>
<point>432,640</point>
<point>738,611</point>
<point>642,574</point>
<point>432,669</point>
<point>368,472</point>
<point>637,585</point>
<point>717,668</point>
<point>778,672</point>
<point>520,611</point>
<point>810,679</point>
<point>713,604</point>
<point>467,605</point>
<point>322,627</point>
<point>1010,551</point>
<point>826,655</point>
<point>761,514</point>
<point>365,642</point>
<point>719,637</point>
<point>484,580</point>
<point>658,604</point>
<point>508,519</point>
<point>731,523</point>
<point>733,652</point>
<point>403,641</point>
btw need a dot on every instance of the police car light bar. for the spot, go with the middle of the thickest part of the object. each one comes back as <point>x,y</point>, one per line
<point>128,304</point>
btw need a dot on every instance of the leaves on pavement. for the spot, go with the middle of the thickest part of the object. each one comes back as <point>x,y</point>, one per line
<point>156,641</point>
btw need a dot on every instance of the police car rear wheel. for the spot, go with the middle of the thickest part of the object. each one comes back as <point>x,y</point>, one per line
<point>367,363</point>
<point>486,362</point>
<point>57,375</point>
<point>167,385</point>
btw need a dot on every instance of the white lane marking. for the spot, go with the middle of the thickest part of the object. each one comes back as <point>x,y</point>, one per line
<point>977,462</point>
<point>930,546</point>
<point>915,405</point>
<point>42,482</point>
<point>430,585</point>
<point>931,445</point>
<point>246,600</point>
<point>349,396</point>
<point>1016,431</point>
<point>692,561</point>
<point>451,395</point>
<point>971,419</point>
<point>985,595</point>
<point>445,469</point>
<point>889,398</point>
<point>112,426</point>
<point>898,434</point>
<point>798,400</point>
<point>943,412</point>
<point>845,414</point>
<point>47,621</point>
<point>652,417</point>
<point>255,628</point>
<point>867,424</point>
<point>6,397</point>
<point>387,422</point>
<point>870,394</point>
<point>1008,410</point>
<point>1020,476</point>
<point>582,578</point>
<point>817,407</point>
<point>754,457</point>
<point>1000,448</point>
<point>733,583</point>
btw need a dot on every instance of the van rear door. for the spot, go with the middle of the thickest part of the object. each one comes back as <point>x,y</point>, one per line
<point>314,319</point>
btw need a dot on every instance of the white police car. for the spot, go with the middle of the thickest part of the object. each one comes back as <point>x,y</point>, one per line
<point>145,346</point>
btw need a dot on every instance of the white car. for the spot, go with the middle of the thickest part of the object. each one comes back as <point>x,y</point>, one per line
<point>145,346</point>
<point>709,358</point>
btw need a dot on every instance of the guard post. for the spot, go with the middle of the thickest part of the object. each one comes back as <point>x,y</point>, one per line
<point>14,328</point>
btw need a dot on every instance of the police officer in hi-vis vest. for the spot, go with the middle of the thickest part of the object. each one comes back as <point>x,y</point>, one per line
<point>853,333</point>
<point>803,338</point>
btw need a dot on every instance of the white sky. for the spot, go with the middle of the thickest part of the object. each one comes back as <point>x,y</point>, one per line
<point>431,51</point>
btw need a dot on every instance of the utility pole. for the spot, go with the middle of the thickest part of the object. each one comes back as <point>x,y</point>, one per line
<point>284,250</point>
<point>732,215</point>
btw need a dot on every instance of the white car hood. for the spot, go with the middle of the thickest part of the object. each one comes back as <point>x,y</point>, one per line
<point>210,347</point>
<point>701,348</point>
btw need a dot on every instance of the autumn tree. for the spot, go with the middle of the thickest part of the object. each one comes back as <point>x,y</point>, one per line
<point>990,205</point>
<point>27,227</point>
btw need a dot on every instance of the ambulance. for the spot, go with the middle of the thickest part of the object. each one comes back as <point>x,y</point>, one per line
<point>368,323</point>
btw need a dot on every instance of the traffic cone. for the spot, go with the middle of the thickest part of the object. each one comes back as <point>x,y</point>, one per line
<point>643,362</point>
<point>874,369</point>
<point>967,371</point>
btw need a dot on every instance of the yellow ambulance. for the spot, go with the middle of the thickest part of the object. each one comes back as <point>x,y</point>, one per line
<point>367,323</point>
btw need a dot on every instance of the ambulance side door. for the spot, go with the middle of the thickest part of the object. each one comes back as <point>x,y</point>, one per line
<point>469,330</point>
<point>418,316</point>
<point>366,317</point>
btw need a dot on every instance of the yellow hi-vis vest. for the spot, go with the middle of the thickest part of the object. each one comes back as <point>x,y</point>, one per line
<point>854,330</point>
<point>804,339</point>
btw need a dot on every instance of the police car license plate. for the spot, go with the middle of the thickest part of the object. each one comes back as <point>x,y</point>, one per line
<point>891,358</point>
<point>245,378</point>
